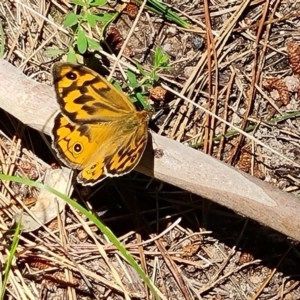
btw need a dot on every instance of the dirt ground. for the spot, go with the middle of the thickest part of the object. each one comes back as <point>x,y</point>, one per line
<point>191,248</point>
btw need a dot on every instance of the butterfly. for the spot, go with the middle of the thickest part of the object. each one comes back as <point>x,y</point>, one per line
<point>98,130</point>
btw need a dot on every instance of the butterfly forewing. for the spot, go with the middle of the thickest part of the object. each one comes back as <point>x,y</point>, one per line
<point>98,130</point>
<point>85,96</point>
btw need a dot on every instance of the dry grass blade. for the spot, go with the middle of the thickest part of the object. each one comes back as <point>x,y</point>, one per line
<point>113,271</point>
<point>223,36</point>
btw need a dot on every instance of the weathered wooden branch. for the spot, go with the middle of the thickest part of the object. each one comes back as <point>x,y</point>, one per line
<point>35,105</point>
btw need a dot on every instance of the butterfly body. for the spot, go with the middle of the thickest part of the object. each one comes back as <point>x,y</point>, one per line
<point>98,130</point>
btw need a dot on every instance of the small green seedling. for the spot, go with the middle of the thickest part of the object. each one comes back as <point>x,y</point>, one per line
<point>149,78</point>
<point>81,23</point>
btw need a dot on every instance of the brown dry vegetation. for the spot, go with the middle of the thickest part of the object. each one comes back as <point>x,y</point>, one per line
<point>191,248</point>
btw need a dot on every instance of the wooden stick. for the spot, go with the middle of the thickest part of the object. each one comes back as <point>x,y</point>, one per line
<point>35,105</point>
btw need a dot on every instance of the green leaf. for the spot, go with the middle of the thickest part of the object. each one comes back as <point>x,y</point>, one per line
<point>97,2</point>
<point>78,2</point>
<point>160,58</point>
<point>133,99</point>
<point>94,45</point>
<point>91,19</point>
<point>71,56</point>
<point>155,77</point>
<point>148,85</point>
<point>81,41</point>
<point>142,71</point>
<point>52,52</point>
<point>157,55</point>
<point>132,81</point>
<point>71,19</point>
<point>104,18</point>
<point>143,100</point>
<point>117,85</point>
<point>134,85</point>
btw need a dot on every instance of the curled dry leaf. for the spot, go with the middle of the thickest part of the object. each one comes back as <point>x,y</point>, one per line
<point>245,258</point>
<point>244,164</point>
<point>82,235</point>
<point>157,93</point>
<point>190,250</point>
<point>115,40</point>
<point>48,205</point>
<point>293,51</point>
<point>259,174</point>
<point>131,10</point>
<point>53,225</point>
<point>289,84</point>
<point>59,278</point>
<point>39,263</point>
<point>114,37</point>
<point>29,169</point>
<point>29,201</point>
<point>280,86</point>
<point>54,166</point>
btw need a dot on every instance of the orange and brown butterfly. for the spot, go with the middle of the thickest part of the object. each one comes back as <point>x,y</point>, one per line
<point>97,130</point>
